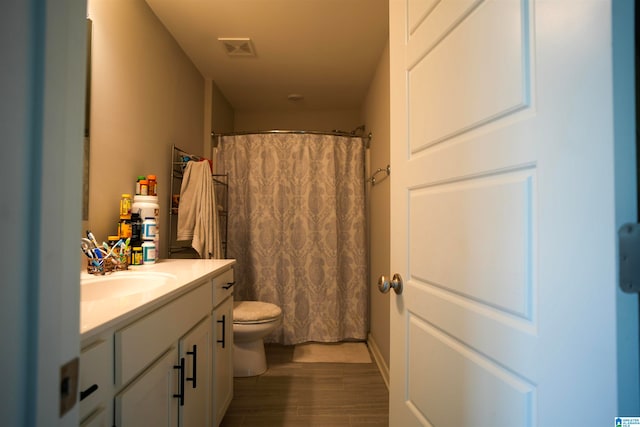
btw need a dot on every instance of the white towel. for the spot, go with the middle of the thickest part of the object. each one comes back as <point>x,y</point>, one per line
<point>197,216</point>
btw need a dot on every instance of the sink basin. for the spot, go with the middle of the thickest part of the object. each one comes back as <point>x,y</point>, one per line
<point>122,284</point>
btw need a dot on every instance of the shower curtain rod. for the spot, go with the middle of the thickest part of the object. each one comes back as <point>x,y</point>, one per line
<point>303,132</point>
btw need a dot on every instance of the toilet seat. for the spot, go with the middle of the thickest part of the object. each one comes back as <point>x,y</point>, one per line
<point>255,312</point>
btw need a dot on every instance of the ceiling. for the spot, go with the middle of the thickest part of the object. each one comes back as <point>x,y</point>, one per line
<point>324,50</point>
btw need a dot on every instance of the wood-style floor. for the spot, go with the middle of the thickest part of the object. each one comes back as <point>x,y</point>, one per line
<point>309,394</point>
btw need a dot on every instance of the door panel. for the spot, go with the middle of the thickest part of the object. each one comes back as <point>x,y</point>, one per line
<point>474,238</point>
<point>438,359</point>
<point>461,76</point>
<point>502,216</point>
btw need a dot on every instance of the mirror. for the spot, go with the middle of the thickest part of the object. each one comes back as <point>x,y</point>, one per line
<point>87,127</point>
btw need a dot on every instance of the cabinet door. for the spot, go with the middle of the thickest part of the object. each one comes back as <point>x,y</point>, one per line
<point>196,348</point>
<point>149,400</point>
<point>223,374</point>
<point>98,419</point>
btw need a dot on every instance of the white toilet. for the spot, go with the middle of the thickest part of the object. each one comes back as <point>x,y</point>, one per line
<point>252,321</point>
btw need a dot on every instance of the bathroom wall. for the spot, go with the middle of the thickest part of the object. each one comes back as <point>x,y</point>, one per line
<point>222,114</point>
<point>146,95</point>
<point>219,114</point>
<point>319,120</point>
<point>375,113</point>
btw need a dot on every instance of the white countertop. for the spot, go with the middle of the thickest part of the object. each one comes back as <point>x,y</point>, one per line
<point>99,315</point>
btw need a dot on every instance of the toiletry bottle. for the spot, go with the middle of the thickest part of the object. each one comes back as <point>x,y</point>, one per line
<point>124,228</point>
<point>140,178</point>
<point>136,229</point>
<point>153,185</point>
<point>144,187</point>
<point>149,228</point>
<point>125,206</point>
<point>136,255</point>
<point>149,235</point>
<point>148,252</point>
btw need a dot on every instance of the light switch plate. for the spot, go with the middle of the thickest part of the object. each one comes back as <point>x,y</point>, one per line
<point>68,385</point>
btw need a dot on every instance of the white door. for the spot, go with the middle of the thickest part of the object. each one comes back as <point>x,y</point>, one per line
<point>502,213</point>
<point>42,110</point>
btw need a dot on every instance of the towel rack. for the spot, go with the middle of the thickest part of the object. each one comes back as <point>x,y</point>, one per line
<point>372,178</point>
<point>179,159</point>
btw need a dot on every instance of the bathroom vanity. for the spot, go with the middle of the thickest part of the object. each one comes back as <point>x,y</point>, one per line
<point>156,345</point>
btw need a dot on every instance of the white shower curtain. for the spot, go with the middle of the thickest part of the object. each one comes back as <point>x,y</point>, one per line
<point>297,229</point>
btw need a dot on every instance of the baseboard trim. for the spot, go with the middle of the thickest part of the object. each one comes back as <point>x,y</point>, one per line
<point>377,357</point>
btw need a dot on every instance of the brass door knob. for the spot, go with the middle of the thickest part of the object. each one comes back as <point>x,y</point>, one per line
<point>396,284</point>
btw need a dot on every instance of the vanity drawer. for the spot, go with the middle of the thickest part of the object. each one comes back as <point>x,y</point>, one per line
<point>140,343</point>
<point>222,286</point>
<point>96,379</point>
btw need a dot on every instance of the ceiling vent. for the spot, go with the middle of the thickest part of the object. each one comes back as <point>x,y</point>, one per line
<point>237,46</point>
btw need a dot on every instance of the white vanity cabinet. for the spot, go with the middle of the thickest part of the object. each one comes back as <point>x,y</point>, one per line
<point>161,389</point>
<point>222,319</point>
<point>161,365</point>
<point>175,390</point>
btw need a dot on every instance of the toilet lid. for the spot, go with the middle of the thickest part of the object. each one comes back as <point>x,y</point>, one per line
<point>255,311</point>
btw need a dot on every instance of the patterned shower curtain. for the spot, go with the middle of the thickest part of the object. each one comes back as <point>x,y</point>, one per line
<point>297,229</point>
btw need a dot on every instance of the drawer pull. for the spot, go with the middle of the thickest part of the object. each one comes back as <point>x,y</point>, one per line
<point>86,393</point>
<point>193,353</point>
<point>180,395</point>
<point>228,285</point>
<point>223,321</point>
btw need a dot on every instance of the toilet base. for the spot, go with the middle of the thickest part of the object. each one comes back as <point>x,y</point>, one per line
<point>249,358</point>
